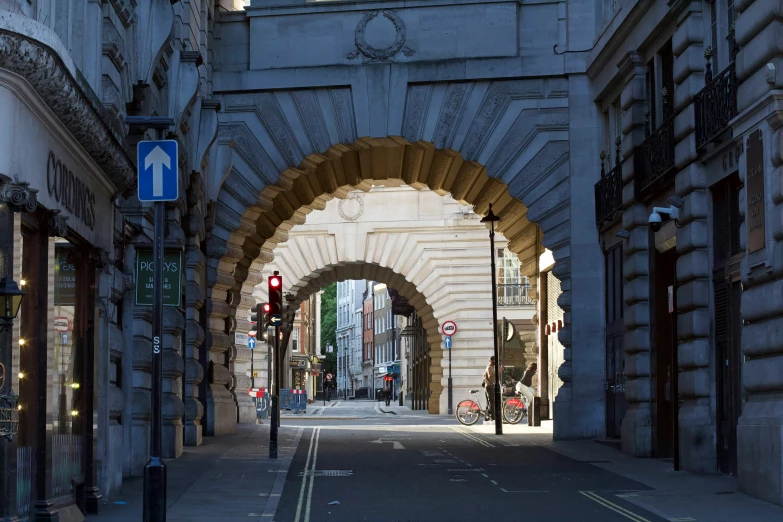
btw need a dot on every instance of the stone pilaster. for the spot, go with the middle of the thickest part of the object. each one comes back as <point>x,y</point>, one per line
<point>760,429</point>
<point>636,431</point>
<point>696,421</point>
<point>195,296</point>
<point>173,368</point>
<point>139,324</point>
<point>110,398</point>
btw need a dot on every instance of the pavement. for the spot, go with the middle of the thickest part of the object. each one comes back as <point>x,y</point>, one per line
<point>364,461</point>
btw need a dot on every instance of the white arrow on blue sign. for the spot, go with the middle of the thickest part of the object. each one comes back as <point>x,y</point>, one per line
<point>251,342</point>
<point>448,342</point>
<point>158,170</point>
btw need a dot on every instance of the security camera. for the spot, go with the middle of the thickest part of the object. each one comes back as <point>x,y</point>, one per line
<point>661,215</point>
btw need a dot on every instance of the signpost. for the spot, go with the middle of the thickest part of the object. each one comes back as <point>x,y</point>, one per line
<point>158,182</point>
<point>448,329</point>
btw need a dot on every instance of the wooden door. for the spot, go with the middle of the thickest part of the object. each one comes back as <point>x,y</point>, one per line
<point>727,255</point>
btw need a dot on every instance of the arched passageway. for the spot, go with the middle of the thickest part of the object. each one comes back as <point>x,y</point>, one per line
<point>240,239</point>
<point>436,244</point>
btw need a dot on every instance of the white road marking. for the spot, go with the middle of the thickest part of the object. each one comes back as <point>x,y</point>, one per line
<point>495,483</point>
<point>531,491</point>
<point>304,479</point>
<point>473,437</point>
<point>312,479</point>
<point>395,444</point>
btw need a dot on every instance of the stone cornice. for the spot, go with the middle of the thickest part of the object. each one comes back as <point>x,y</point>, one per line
<point>283,7</point>
<point>67,94</point>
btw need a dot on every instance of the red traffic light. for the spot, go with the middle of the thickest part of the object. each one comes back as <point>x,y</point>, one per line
<point>274,282</point>
<point>267,308</point>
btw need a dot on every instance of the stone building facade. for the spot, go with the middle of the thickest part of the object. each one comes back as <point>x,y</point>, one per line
<point>491,101</point>
<point>690,96</point>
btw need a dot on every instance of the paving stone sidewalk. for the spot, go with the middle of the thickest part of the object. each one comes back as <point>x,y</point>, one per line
<point>228,478</point>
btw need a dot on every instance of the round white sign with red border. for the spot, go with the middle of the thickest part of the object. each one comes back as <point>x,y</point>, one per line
<point>448,328</point>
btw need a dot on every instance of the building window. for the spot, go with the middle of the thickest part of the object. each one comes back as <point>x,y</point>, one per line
<point>509,271</point>
<point>295,340</point>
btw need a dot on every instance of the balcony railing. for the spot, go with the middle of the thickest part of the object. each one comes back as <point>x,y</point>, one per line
<point>715,105</point>
<point>654,160</point>
<point>513,295</point>
<point>609,189</point>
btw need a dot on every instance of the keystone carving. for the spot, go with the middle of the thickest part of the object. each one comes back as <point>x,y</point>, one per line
<point>380,54</point>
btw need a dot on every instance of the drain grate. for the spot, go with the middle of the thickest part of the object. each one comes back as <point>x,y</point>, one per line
<point>327,473</point>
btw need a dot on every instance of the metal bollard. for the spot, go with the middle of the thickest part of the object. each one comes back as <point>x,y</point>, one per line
<point>534,412</point>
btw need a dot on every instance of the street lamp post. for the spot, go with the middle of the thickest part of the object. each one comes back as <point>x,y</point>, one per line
<point>491,218</point>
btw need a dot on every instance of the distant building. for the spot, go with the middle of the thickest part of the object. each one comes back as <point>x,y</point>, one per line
<point>368,341</point>
<point>349,337</point>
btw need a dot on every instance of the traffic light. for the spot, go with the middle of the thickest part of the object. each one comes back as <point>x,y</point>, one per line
<point>255,316</point>
<point>264,314</point>
<point>275,300</point>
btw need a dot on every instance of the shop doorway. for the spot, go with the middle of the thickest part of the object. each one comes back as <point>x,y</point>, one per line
<point>615,329</point>
<point>57,363</point>
<point>728,254</point>
<point>664,347</point>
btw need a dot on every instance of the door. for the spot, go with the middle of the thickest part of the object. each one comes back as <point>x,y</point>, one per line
<point>728,254</point>
<point>664,346</point>
<point>615,328</point>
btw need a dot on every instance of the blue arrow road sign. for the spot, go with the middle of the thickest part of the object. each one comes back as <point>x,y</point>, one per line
<point>158,170</point>
<point>251,342</point>
<point>448,342</point>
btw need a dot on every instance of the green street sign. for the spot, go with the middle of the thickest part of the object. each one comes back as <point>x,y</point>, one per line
<point>172,278</point>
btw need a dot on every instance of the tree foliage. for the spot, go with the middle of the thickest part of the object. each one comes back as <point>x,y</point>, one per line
<point>329,326</point>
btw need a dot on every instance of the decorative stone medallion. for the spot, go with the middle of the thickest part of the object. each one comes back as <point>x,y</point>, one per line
<point>351,207</point>
<point>380,54</point>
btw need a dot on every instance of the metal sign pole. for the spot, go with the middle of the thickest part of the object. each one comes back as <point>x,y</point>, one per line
<point>158,172</point>
<point>155,470</point>
<point>451,393</point>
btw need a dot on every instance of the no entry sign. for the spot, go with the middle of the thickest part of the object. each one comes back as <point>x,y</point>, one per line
<point>448,328</point>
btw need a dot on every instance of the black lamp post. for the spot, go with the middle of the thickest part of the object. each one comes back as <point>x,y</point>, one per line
<point>491,218</point>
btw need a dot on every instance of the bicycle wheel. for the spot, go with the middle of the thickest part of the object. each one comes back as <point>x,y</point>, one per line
<point>468,412</point>
<point>513,410</point>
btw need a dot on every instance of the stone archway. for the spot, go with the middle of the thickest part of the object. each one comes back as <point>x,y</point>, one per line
<point>251,216</point>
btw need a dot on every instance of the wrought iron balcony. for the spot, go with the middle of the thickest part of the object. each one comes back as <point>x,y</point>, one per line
<point>716,104</point>
<point>514,295</point>
<point>654,160</point>
<point>609,189</point>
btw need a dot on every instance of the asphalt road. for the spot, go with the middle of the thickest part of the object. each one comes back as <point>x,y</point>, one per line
<point>387,469</point>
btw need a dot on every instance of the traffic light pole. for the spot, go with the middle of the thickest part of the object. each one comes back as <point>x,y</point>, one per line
<point>275,417</point>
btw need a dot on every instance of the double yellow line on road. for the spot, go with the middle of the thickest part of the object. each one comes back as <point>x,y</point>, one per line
<point>305,501</point>
<point>614,507</point>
